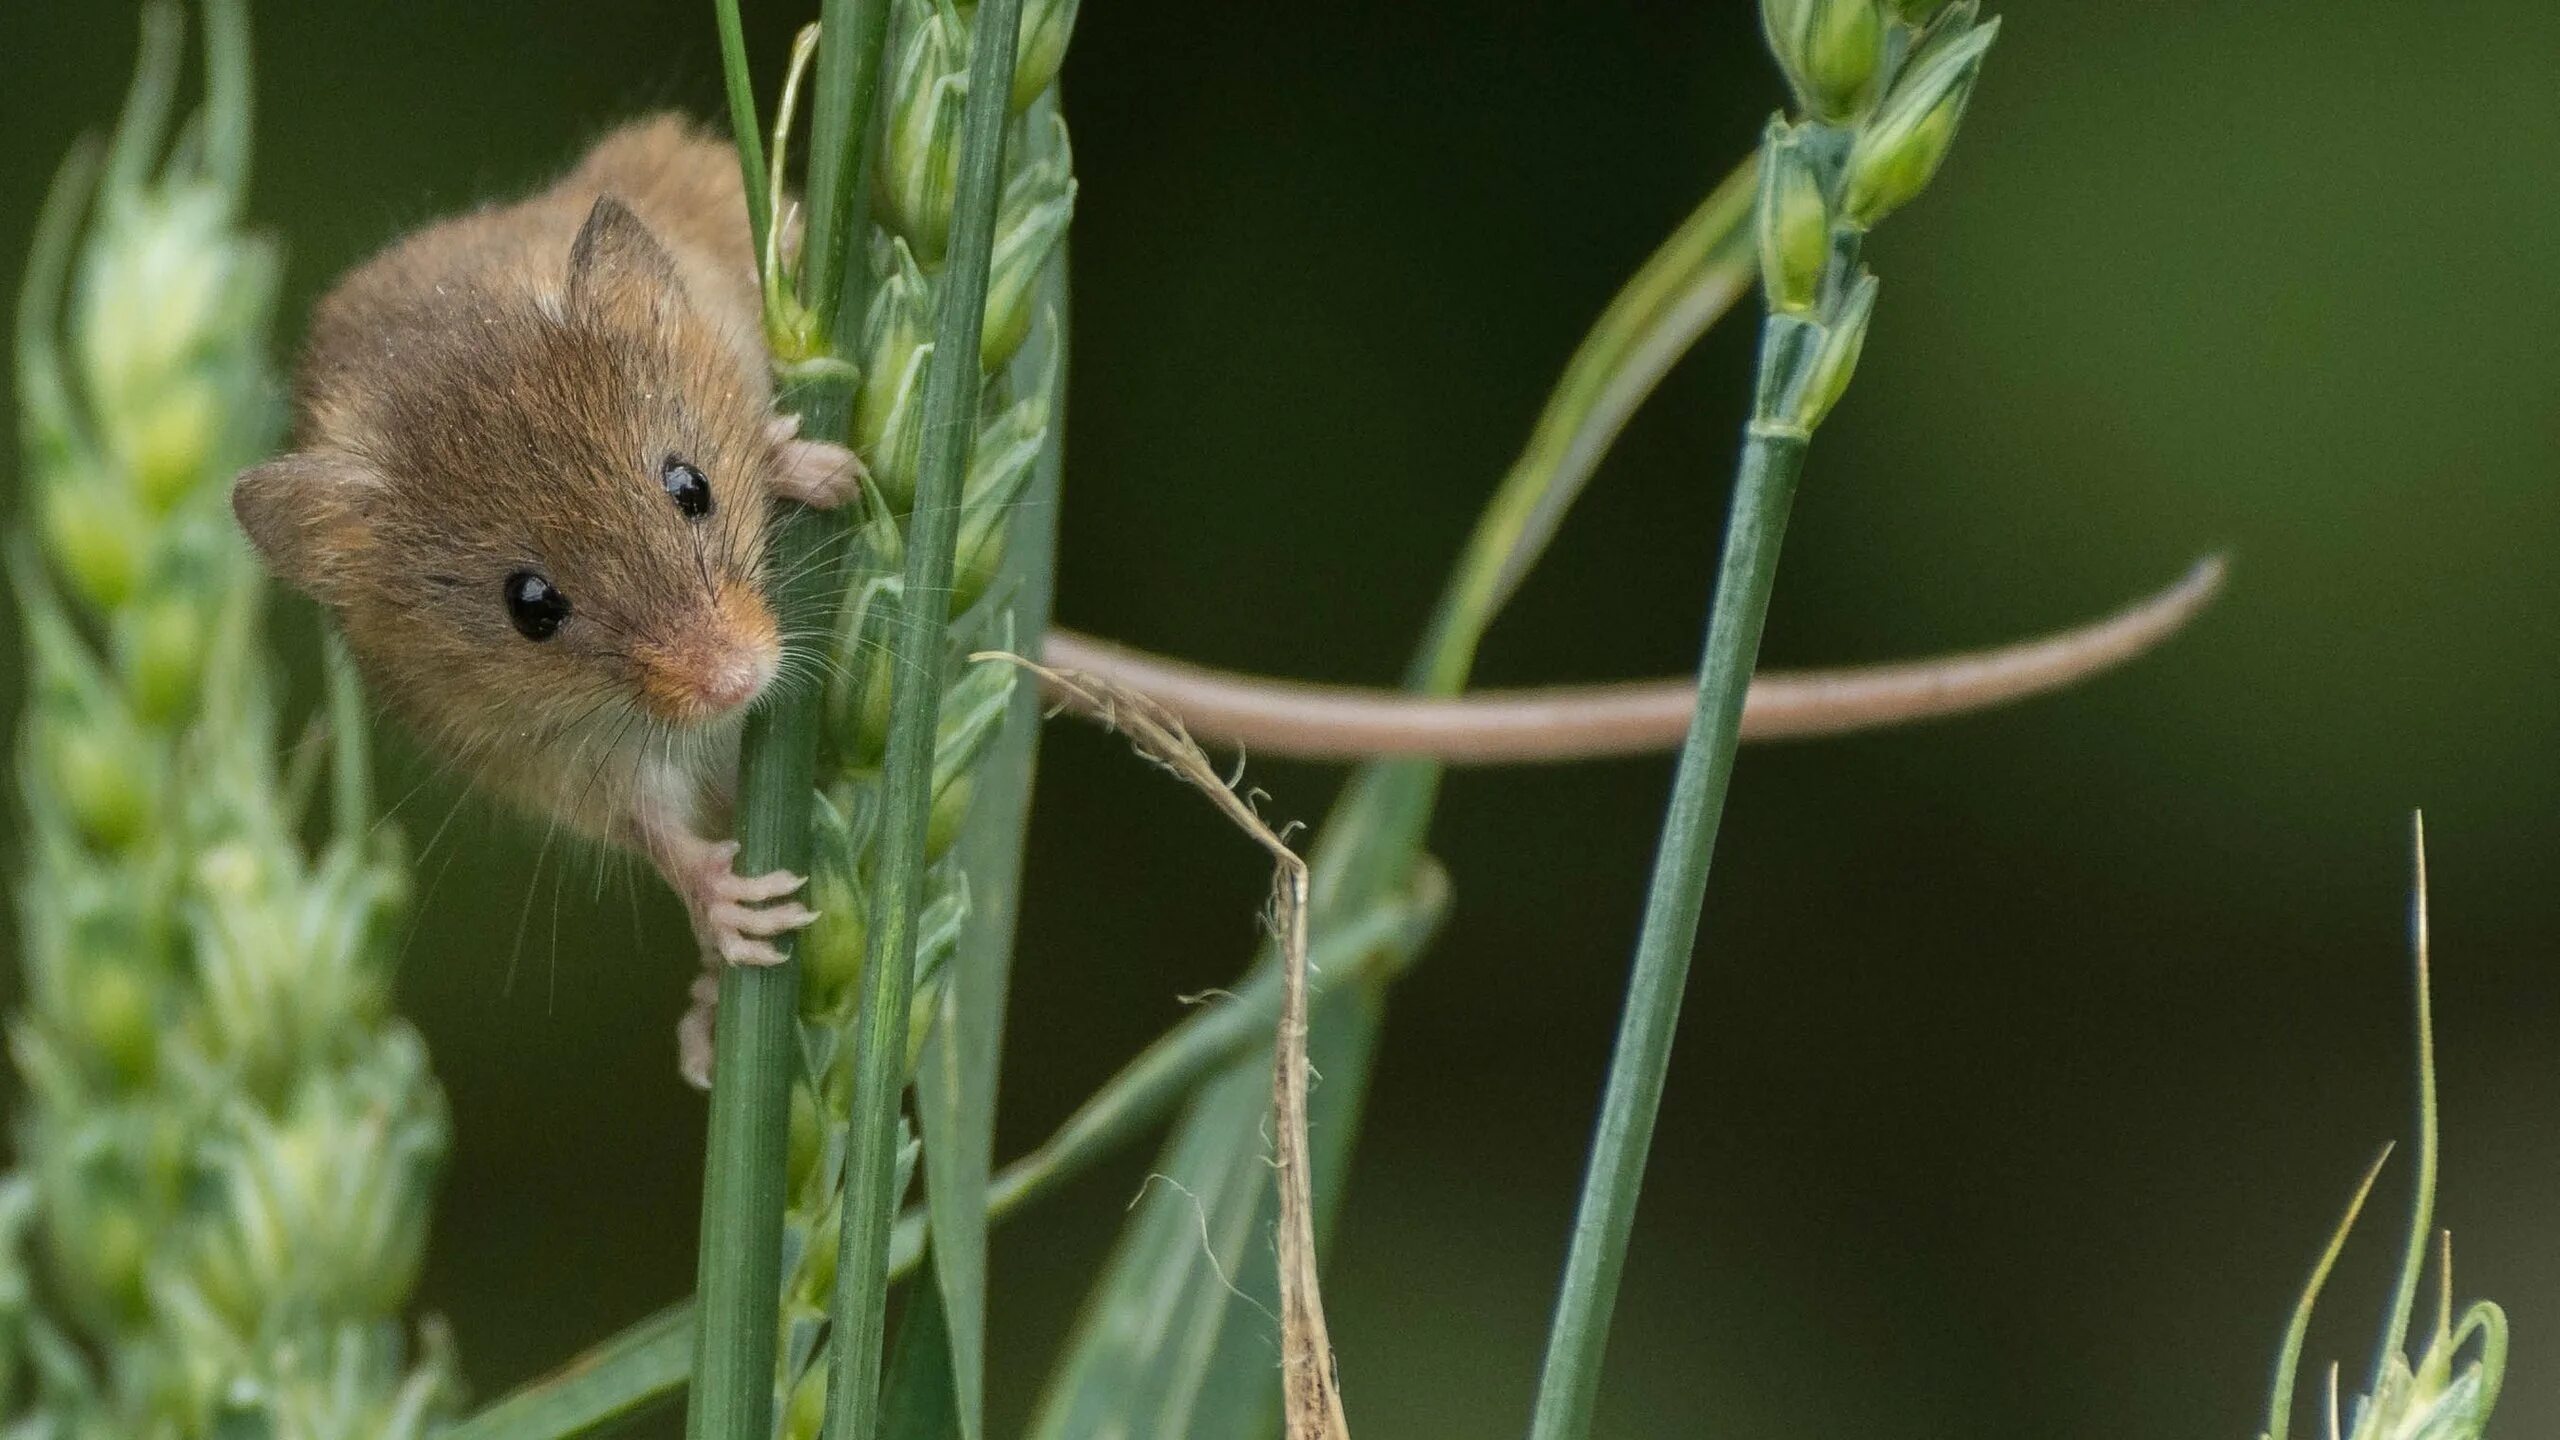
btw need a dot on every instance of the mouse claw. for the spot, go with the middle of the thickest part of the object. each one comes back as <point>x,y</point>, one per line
<point>817,473</point>
<point>737,920</point>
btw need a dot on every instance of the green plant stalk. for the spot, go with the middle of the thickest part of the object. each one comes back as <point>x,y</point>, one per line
<point>1682,288</point>
<point>744,1185</point>
<point>743,1181</point>
<point>1882,131</point>
<point>951,383</point>
<point>955,1079</point>
<point>740,86</point>
<point>1764,491</point>
<point>2422,1200</point>
<point>649,1361</point>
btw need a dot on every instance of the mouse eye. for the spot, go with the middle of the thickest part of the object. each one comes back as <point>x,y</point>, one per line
<point>688,487</point>
<point>537,607</point>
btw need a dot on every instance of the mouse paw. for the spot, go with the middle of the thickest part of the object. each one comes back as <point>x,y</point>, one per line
<point>694,1032</point>
<point>737,915</point>
<point>818,473</point>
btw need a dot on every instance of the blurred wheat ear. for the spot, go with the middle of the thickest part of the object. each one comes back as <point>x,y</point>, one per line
<point>229,1141</point>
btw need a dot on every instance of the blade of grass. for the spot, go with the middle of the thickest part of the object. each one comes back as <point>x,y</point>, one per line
<point>741,88</point>
<point>2422,1200</point>
<point>350,742</point>
<point>1826,184</point>
<point>1174,1337</point>
<point>956,1077</point>
<point>918,1403</point>
<point>917,643</point>
<point>1681,289</point>
<point>1763,493</point>
<point>625,1377</point>
<point>649,1361</point>
<point>2289,1357</point>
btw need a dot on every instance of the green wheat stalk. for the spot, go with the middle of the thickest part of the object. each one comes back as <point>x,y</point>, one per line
<point>229,1140</point>
<point>1882,97</point>
<point>921,322</point>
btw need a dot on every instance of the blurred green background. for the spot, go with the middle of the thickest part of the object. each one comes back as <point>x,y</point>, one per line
<point>2028,1057</point>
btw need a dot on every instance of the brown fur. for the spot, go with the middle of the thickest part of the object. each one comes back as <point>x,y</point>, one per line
<point>496,393</point>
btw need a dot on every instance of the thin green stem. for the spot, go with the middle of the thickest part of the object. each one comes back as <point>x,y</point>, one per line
<point>742,121</point>
<point>351,761</point>
<point>917,647</point>
<point>1683,287</point>
<point>743,1187</point>
<point>1763,493</point>
<point>617,1380</point>
<point>2422,1202</point>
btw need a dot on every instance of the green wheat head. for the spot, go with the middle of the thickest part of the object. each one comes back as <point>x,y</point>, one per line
<point>229,1140</point>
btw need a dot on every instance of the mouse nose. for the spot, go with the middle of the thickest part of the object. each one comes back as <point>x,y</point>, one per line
<point>716,663</point>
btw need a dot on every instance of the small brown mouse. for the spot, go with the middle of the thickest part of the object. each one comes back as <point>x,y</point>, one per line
<point>535,453</point>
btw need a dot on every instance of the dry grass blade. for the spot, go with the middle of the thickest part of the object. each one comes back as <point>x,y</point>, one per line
<point>1311,1401</point>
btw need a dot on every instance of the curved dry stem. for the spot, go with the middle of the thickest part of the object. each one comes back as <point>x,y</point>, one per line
<point>1295,720</point>
<point>1311,1401</point>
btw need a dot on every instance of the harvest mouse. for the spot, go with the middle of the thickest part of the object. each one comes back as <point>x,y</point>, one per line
<point>534,455</point>
<point>533,460</point>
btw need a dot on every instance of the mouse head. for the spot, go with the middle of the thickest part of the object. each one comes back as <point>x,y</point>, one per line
<point>540,504</point>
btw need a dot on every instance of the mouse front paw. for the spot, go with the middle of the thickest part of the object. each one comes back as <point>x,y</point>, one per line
<point>817,473</point>
<point>737,915</point>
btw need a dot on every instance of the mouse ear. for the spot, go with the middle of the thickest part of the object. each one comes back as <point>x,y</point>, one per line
<point>303,514</point>
<point>617,264</point>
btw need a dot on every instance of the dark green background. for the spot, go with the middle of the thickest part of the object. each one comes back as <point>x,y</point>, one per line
<point>2029,1057</point>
